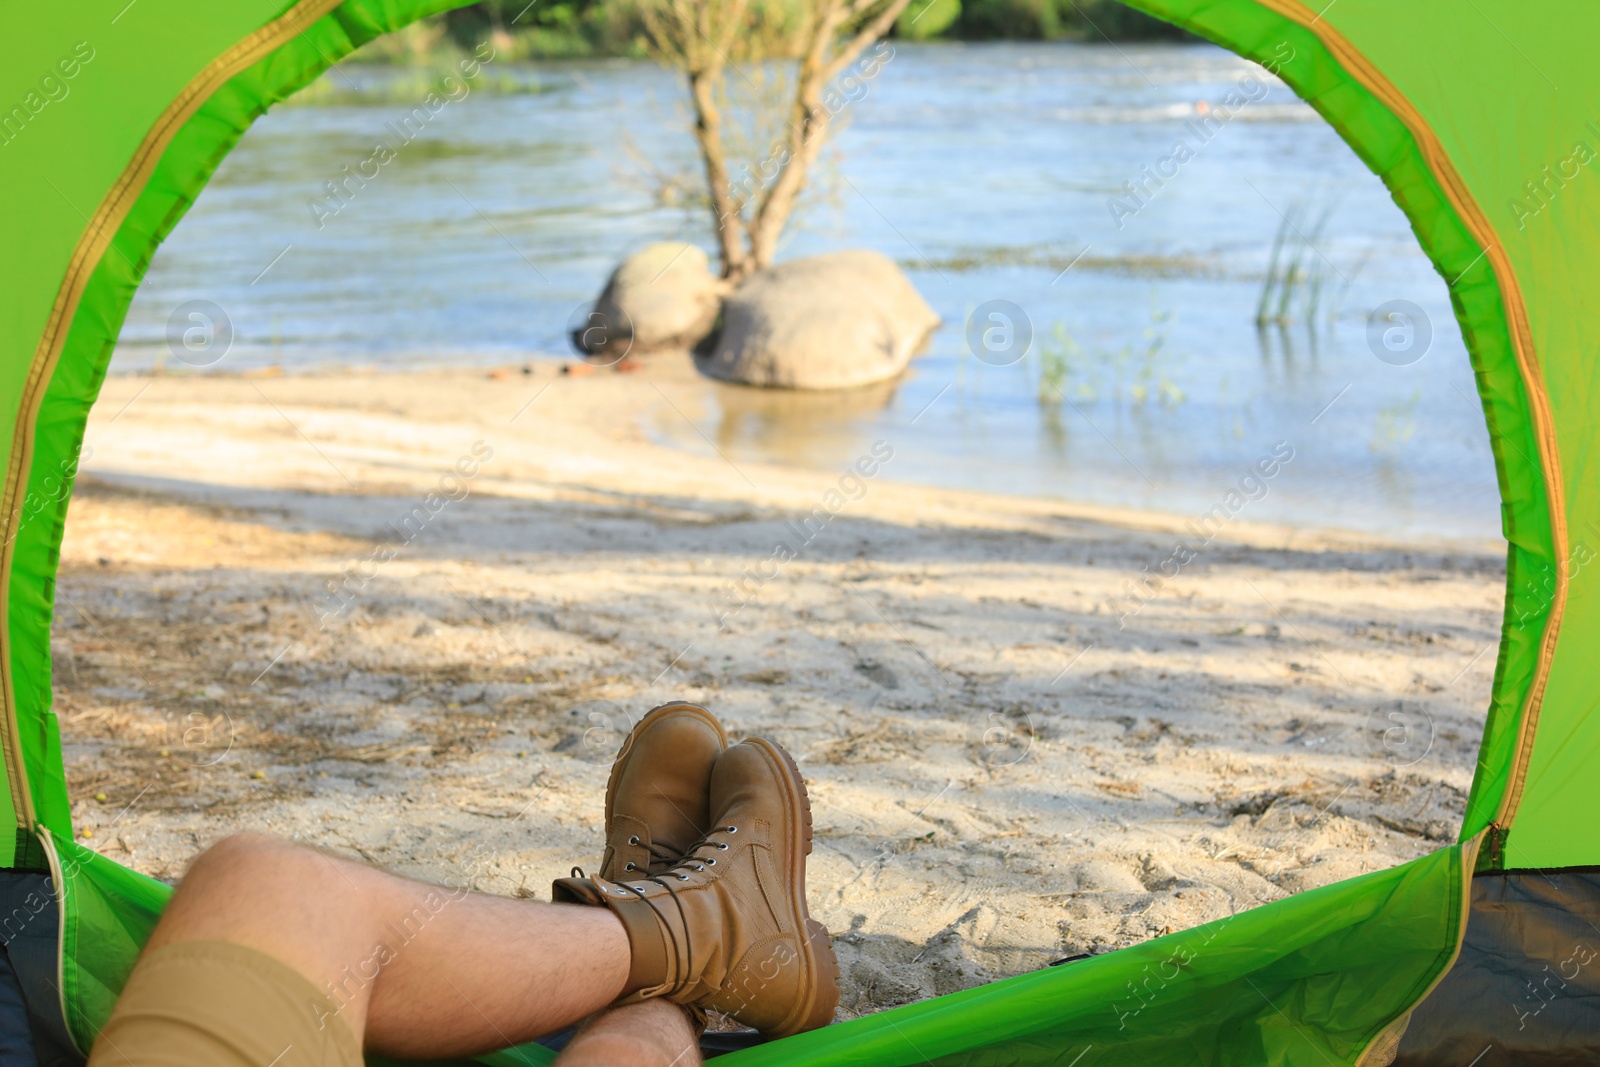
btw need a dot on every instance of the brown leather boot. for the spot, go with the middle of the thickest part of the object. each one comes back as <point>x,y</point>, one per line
<point>658,798</point>
<point>726,928</point>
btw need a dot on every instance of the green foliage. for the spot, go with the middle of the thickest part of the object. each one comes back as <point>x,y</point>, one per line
<point>421,42</point>
<point>548,29</point>
<point>1008,19</point>
<point>1090,20</point>
<point>1098,20</point>
<point>927,18</point>
<point>566,29</point>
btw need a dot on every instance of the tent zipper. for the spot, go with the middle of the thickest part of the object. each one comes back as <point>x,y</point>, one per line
<point>1493,857</point>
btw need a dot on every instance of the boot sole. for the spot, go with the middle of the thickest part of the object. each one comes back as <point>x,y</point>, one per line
<point>651,717</point>
<point>817,1004</point>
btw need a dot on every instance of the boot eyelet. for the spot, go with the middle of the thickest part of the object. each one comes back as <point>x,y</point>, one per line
<point>701,866</point>
<point>683,877</point>
<point>722,846</point>
<point>712,861</point>
<point>733,829</point>
<point>633,840</point>
<point>630,867</point>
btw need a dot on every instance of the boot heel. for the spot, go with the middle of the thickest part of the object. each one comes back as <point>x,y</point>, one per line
<point>827,995</point>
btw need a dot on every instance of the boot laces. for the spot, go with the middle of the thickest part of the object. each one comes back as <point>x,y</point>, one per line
<point>666,861</point>
<point>689,857</point>
<point>662,858</point>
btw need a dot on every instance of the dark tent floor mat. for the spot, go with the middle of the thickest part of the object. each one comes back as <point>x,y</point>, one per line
<point>1526,988</point>
<point>32,1033</point>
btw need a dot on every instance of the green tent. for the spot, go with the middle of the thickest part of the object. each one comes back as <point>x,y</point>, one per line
<point>1482,118</point>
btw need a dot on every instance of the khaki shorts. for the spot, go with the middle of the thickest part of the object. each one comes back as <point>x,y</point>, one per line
<point>217,1004</point>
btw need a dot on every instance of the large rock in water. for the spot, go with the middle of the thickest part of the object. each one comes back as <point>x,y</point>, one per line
<point>661,298</point>
<point>826,322</point>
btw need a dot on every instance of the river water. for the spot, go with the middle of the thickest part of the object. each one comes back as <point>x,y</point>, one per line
<point>995,174</point>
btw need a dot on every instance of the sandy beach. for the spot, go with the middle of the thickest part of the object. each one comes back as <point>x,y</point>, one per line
<point>409,617</point>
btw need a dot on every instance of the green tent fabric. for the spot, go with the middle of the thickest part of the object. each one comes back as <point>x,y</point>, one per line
<point>114,114</point>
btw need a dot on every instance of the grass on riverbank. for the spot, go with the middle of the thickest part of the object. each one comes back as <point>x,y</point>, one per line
<point>408,85</point>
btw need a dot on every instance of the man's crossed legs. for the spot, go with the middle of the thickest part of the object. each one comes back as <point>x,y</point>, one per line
<point>276,955</point>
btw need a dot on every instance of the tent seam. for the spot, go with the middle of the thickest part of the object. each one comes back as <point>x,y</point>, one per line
<point>1521,335</point>
<point>1461,894</point>
<point>91,247</point>
<point>64,919</point>
<point>1460,201</point>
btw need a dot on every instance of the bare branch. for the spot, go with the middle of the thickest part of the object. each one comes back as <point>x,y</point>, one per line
<point>808,120</point>
<point>857,9</point>
<point>732,23</point>
<point>704,39</point>
<point>726,210</point>
<point>869,33</point>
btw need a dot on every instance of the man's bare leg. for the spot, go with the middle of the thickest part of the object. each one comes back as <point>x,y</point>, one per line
<point>414,970</point>
<point>655,1033</point>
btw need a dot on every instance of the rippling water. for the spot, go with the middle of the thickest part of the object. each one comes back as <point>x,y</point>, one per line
<point>991,173</point>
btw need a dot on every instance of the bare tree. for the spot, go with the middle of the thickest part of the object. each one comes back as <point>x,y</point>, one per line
<point>708,38</point>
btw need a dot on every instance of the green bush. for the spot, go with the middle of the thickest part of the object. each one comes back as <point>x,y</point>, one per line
<point>1090,20</point>
<point>1095,20</point>
<point>1008,19</point>
<point>923,19</point>
<point>560,29</point>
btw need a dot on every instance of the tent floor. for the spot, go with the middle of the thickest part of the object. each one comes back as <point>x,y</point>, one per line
<point>32,1032</point>
<point>1526,987</point>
